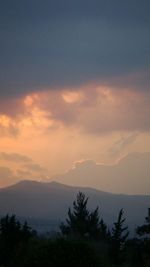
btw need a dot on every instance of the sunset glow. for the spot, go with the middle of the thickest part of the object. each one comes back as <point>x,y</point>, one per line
<point>74,88</point>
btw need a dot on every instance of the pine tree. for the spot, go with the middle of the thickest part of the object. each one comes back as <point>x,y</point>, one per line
<point>104,231</point>
<point>119,236</point>
<point>83,223</point>
<point>12,234</point>
<point>77,221</point>
<point>94,223</point>
<point>145,228</point>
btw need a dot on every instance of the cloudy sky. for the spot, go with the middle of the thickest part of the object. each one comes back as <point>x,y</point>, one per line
<point>74,85</point>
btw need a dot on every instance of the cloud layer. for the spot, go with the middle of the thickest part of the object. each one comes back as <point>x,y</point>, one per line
<point>56,54</point>
<point>55,44</point>
<point>74,83</point>
<point>130,175</point>
<point>20,167</point>
<point>92,109</point>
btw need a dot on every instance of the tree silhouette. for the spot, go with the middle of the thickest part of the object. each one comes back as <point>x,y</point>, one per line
<point>83,223</point>
<point>97,228</point>
<point>119,236</point>
<point>145,228</point>
<point>78,219</point>
<point>12,233</point>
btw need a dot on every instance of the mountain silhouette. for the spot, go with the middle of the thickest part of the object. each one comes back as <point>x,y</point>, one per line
<point>50,201</point>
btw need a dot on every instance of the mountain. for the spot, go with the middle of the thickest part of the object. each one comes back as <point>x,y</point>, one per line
<point>50,201</point>
<point>129,175</point>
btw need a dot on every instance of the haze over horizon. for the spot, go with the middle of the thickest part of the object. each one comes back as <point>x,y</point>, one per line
<point>75,93</point>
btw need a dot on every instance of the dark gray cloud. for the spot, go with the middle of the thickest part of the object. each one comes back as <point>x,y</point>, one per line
<point>67,43</point>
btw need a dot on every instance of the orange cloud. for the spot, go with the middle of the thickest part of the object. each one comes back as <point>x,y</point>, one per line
<point>15,167</point>
<point>94,109</point>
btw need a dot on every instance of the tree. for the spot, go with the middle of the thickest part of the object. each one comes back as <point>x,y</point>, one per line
<point>12,234</point>
<point>119,236</point>
<point>58,252</point>
<point>82,223</point>
<point>145,228</point>
<point>78,219</point>
<point>97,228</point>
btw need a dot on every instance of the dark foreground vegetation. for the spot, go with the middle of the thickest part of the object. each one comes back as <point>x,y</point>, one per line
<point>84,240</point>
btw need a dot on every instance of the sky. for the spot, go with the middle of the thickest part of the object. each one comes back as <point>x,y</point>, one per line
<point>74,88</point>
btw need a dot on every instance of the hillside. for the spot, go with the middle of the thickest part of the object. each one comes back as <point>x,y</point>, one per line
<point>50,202</point>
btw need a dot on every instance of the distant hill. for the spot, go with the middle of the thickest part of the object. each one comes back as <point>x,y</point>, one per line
<point>50,201</point>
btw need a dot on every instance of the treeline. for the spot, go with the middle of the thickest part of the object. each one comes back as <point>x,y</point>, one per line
<point>83,240</point>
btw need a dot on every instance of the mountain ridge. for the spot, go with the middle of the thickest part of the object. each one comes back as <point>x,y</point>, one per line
<point>55,184</point>
<point>50,201</point>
